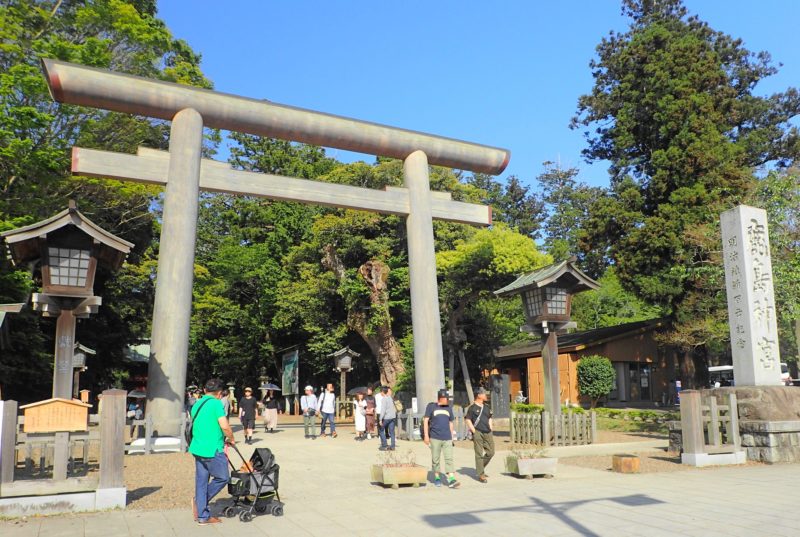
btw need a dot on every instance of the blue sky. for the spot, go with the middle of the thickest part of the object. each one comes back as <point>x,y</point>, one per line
<point>506,73</point>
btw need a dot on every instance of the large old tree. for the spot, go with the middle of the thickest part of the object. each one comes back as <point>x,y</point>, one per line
<point>675,110</point>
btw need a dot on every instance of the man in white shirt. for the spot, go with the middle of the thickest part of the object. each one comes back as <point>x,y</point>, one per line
<point>327,407</point>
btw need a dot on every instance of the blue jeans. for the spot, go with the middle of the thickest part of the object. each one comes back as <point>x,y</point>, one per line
<point>327,416</point>
<point>387,428</point>
<point>205,468</point>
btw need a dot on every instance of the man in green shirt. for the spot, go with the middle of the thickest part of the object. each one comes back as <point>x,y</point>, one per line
<point>210,430</point>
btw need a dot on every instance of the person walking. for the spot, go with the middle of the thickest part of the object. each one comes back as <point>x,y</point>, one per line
<point>437,426</point>
<point>369,412</point>
<point>247,414</point>
<point>479,422</point>
<point>327,407</point>
<point>378,397</point>
<point>226,402</point>
<point>210,429</point>
<point>388,423</point>
<point>270,412</point>
<point>308,405</point>
<point>360,415</point>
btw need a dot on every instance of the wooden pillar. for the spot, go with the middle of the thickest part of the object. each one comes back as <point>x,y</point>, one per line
<point>65,341</point>
<point>60,456</point>
<point>693,439</point>
<point>552,381</point>
<point>8,441</point>
<point>112,439</point>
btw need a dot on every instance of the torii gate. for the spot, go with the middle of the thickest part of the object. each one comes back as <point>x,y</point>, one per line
<point>184,172</point>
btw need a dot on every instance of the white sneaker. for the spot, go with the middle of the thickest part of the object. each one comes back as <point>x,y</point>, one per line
<point>369,437</point>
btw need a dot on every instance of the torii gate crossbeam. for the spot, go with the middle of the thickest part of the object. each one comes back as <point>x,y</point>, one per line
<point>185,173</point>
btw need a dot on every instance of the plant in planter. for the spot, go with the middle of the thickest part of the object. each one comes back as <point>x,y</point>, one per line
<point>531,462</point>
<point>398,469</point>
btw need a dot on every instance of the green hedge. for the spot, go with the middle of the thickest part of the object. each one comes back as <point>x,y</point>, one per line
<point>525,408</point>
<point>638,415</point>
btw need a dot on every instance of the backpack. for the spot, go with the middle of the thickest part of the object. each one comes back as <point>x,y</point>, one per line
<point>187,433</point>
<point>398,405</point>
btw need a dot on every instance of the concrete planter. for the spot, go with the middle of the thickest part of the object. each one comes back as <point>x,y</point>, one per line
<point>529,467</point>
<point>394,476</point>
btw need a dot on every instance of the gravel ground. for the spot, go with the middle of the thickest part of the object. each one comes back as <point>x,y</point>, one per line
<point>162,481</point>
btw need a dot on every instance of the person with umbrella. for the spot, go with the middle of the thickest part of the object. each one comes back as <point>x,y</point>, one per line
<point>270,408</point>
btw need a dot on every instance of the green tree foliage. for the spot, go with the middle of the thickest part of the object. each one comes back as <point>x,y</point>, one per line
<point>36,135</point>
<point>483,261</point>
<point>567,203</point>
<point>596,377</point>
<point>779,195</point>
<point>610,305</point>
<point>512,203</point>
<point>673,109</point>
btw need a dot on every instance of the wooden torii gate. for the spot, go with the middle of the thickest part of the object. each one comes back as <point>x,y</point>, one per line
<point>184,172</point>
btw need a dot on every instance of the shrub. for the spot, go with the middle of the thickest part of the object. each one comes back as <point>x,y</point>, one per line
<point>596,377</point>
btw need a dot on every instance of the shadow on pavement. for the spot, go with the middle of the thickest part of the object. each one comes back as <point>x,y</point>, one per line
<point>558,510</point>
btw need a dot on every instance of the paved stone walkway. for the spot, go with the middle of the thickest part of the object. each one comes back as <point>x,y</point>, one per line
<point>325,485</point>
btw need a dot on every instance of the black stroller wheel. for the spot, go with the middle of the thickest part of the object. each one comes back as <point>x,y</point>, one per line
<point>245,516</point>
<point>277,509</point>
<point>229,512</point>
<point>261,507</point>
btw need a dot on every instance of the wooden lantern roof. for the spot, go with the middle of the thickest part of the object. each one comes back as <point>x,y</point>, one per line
<point>25,243</point>
<point>564,274</point>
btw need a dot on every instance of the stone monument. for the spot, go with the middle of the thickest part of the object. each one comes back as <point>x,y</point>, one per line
<point>751,302</point>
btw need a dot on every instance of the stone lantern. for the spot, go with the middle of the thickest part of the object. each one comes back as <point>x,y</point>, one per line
<point>547,303</point>
<point>343,362</point>
<point>68,247</point>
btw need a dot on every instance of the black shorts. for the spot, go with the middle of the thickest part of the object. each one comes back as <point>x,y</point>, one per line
<point>249,423</point>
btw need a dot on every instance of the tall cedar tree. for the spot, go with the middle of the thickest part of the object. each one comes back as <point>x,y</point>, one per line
<point>673,109</point>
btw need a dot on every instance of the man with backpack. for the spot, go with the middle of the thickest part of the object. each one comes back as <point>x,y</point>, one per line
<point>209,431</point>
<point>479,422</point>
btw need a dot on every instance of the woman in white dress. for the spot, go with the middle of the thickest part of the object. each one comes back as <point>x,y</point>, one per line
<point>360,415</point>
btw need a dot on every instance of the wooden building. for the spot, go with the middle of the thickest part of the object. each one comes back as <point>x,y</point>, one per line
<point>645,373</point>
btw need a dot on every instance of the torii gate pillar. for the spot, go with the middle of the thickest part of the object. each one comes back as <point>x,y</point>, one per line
<point>425,323</point>
<point>172,311</point>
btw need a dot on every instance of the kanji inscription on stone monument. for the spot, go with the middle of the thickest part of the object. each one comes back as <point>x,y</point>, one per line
<point>751,302</point>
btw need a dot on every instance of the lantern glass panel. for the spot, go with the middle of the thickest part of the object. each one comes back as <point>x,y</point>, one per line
<point>556,300</point>
<point>533,302</point>
<point>68,266</point>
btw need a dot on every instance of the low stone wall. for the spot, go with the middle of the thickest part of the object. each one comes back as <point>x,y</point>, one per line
<point>764,441</point>
<point>771,441</point>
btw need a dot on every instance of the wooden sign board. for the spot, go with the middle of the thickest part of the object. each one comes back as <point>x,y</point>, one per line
<point>56,415</point>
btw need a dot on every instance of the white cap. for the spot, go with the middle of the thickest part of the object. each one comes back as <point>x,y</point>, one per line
<point>308,388</point>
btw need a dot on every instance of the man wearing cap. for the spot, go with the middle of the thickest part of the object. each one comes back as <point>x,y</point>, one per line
<point>247,414</point>
<point>308,404</point>
<point>437,426</point>
<point>479,421</point>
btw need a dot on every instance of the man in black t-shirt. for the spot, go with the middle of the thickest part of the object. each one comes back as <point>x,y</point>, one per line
<point>437,426</point>
<point>247,414</point>
<point>479,421</point>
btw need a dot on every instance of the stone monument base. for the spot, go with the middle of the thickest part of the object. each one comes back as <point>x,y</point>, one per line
<point>769,422</point>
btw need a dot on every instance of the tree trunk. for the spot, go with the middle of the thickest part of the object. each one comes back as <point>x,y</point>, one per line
<point>376,332</point>
<point>690,375</point>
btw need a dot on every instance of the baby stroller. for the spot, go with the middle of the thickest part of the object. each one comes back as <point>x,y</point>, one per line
<point>256,489</point>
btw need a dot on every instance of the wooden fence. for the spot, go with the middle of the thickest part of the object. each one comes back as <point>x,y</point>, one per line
<point>566,429</point>
<point>709,427</point>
